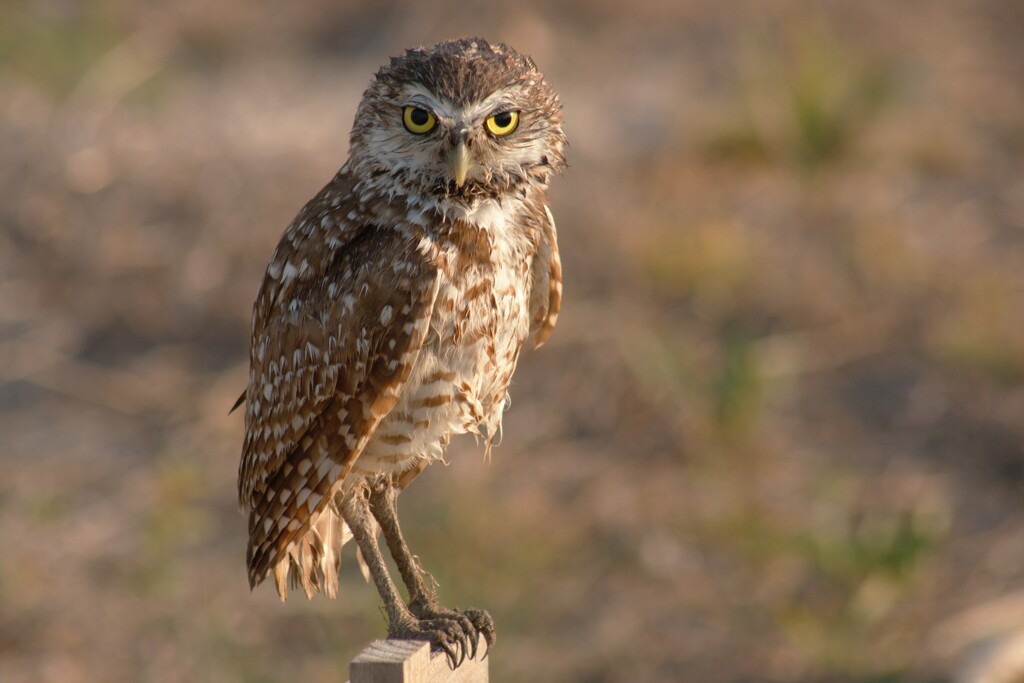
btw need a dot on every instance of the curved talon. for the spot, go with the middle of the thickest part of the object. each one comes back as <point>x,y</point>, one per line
<point>441,642</point>
<point>451,647</point>
<point>458,634</point>
<point>471,624</point>
<point>444,634</point>
<point>470,634</point>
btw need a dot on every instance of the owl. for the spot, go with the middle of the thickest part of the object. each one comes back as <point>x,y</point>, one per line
<point>391,318</point>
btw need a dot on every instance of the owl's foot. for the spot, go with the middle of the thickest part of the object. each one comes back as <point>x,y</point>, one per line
<point>448,635</point>
<point>444,635</point>
<point>474,622</point>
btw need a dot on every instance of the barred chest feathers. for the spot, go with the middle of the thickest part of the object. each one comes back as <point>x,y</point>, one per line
<point>480,321</point>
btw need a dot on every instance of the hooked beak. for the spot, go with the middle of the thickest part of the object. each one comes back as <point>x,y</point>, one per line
<point>459,162</point>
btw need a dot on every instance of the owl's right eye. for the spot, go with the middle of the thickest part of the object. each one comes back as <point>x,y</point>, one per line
<point>418,121</point>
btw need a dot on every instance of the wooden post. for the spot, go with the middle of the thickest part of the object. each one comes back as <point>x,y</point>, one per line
<point>411,661</point>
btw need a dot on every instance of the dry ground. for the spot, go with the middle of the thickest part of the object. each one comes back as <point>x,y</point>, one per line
<point>777,435</point>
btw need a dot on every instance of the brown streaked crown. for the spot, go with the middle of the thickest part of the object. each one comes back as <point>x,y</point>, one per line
<point>463,71</point>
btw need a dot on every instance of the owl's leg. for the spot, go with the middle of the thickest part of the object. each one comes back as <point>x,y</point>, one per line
<point>422,598</point>
<point>446,635</point>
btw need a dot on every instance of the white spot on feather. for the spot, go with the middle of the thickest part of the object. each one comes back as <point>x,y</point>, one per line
<point>328,467</point>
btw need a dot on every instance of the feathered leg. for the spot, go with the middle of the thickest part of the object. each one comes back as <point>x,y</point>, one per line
<point>422,598</point>
<point>444,634</point>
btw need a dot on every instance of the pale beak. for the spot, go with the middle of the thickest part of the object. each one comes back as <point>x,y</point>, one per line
<point>459,160</point>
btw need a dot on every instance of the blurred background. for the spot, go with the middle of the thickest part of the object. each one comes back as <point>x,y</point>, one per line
<point>777,435</point>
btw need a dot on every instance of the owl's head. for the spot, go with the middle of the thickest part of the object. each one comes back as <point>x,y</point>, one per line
<point>461,119</point>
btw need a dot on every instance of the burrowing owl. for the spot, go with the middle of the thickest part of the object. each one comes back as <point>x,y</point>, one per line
<point>392,315</point>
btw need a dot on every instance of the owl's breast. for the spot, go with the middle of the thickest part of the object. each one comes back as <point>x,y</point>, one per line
<point>459,385</point>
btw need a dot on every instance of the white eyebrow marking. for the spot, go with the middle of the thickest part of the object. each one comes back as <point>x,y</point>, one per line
<point>447,111</point>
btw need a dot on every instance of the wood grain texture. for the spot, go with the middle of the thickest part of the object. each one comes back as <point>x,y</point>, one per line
<point>410,661</point>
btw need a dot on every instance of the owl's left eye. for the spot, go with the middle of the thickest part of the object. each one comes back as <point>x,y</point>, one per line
<point>503,123</point>
<point>418,120</point>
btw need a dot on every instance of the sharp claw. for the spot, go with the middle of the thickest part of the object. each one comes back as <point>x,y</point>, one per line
<point>465,647</point>
<point>454,638</point>
<point>462,653</point>
<point>443,644</point>
<point>470,632</point>
<point>464,635</point>
<point>454,632</point>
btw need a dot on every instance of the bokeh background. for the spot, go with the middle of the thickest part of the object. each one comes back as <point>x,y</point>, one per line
<point>777,435</point>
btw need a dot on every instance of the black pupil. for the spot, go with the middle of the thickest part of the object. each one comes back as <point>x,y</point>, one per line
<point>503,120</point>
<point>419,117</point>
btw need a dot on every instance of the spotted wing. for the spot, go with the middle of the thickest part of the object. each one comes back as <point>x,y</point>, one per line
<point>336,332</point>
<point>546,292</point>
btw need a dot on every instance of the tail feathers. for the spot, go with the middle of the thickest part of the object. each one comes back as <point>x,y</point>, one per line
<point>329,561</point>
<point>312,562</point>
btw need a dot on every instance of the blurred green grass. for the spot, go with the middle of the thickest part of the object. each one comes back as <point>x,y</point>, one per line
<point>803,97</point>
<point>55,44</point>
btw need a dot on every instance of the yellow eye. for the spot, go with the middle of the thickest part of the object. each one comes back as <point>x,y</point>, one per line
<point>503,123</point>
<point>418,120</point>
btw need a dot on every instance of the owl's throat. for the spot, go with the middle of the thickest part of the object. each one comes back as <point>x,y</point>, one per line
<point>470,191</point>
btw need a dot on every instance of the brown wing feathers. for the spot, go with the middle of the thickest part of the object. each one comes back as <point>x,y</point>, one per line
<point>333,344</point>
<point>546,293</point>
<point>301,486</point>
